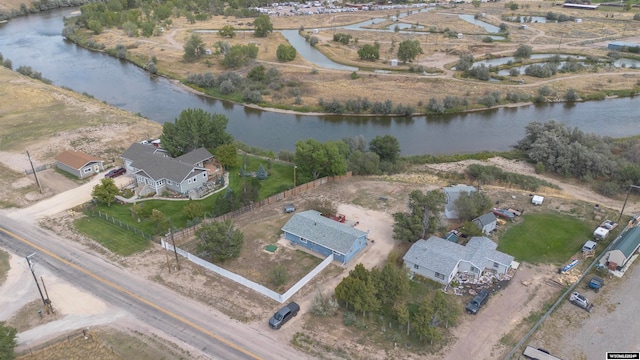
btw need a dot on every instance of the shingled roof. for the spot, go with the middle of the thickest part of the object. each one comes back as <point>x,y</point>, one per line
<point>76,159</point>
<point>156,164</point>
<point>442,256</point>
<point>333,235</point>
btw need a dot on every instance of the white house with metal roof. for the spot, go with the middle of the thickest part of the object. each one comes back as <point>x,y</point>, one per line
<point>325,236</point>
<point>624,246</point>
<point>157,171</point>
<point>440,260</point>
<point>452,193</point>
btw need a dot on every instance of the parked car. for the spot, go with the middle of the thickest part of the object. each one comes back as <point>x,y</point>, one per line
<point>506,214</point>
<point>476,303</point>
<point>283,315</point>
<point>289,208</point>
<point>113,173</point>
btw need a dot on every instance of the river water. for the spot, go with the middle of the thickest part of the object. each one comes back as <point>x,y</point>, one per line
<point>36,41</point>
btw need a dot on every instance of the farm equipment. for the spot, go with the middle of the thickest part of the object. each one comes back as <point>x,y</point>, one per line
<point>581,301</point>
<point>339,218</point>
<point>596,283</point>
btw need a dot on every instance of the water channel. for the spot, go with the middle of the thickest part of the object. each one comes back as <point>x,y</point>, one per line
<point>35,41</point>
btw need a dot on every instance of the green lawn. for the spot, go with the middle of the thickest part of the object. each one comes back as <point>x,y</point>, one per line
<point>4,266</point>
<point>545,238</point>
<point>115,238</point>
<point>280,178</point>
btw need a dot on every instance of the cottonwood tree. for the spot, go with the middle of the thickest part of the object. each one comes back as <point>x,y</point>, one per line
<point>523,51</point>
<point>195,128</point>
<point>392,284</point>
<point>364,163</point>
<point>106,191</point>
<point>286,52</point>
<point>408,50</point>
<point>425,213</point>
<point>227,31</point>
<point>369,52</point>
<point>220,241</point>
<point>193,48</point>
<point>263,26</point>
<point>472,204</point>
<point>193,210</point>
<point>227,155</point>
<point>387,147</point>
<point>315,159</point>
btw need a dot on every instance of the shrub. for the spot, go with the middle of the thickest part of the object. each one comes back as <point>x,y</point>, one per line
<point>523,52</point>
<point>226,87</point>
<point>436,106</point>
<point>480,72</point>
<point>488,101</point>
<point>572,95</point>
<point>465,62</point>
<point>342,38</point>
<point>313,41</point>
<point>251,96</point>
<point>323,305</point>
<point>546,91</point>
<point>487,39</point>
<point>514,72</point>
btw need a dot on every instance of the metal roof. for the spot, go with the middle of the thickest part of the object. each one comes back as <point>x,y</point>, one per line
<point>314,227</point>
<point>628,242</point>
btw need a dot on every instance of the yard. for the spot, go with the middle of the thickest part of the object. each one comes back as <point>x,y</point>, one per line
<point>545,238</point>
<point>126,241</point>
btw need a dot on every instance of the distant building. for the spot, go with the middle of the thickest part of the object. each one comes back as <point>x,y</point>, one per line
<point>581,6</point>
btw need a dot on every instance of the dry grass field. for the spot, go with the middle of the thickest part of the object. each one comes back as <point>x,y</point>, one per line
<point>46,120</point>
<point>397,83</point>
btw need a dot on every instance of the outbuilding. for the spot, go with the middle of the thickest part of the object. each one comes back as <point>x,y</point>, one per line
<point>537,200</point>
<point>79,163</point>
<point>623,249</point>
<point>601,233</point>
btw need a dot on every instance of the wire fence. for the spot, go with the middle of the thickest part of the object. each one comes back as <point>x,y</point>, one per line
<point>115,221</point>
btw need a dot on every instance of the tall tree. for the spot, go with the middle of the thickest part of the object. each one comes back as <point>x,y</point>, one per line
<point>7,342</point>
<point>286,52</point>
<point>193,48</point>
<point>106,191</point>
<point>470,205</point>
<point>227,155</point>
<point>408,50</point>
<point>220,240</point>
<point>195,128</point>
<point>263,26</point>
<point>424,215</point>
<point>387,147</point>
<point>315,159</point>
<point>392,284</point>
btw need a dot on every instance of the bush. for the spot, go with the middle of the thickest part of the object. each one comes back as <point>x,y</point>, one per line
<point>324,305</point>
<point>227,87</point>
<point>251,96</point>
<point>342,38</point>
<point>572,95</point>
<point>480,72</point>
<point>546,91</point>
<point>286,52</point>
<point>465,62</point>
<point>514,72</point>
<point>523,52</point>
<point>487,39</point>
<point>541,71</point>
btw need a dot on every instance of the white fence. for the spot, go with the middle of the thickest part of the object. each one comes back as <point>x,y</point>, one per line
<point>248,283</point>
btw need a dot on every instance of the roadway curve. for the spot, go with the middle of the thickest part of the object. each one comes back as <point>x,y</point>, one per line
<point>184,320</point>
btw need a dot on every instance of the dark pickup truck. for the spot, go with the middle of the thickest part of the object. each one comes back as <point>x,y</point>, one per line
<point>283,315</point>
<point>476,303</point>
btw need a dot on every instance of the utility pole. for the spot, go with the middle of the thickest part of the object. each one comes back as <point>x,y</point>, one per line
<point>625,200</point>
<point>35,173</point>
<point>175,249</point>
<point>48,300</point>
<point>561,36</point>
<point>294,178</point>
<point>44,302</point>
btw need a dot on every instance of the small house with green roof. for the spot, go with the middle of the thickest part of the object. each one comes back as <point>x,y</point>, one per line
<point>325,236</point>
<point>623,249</point>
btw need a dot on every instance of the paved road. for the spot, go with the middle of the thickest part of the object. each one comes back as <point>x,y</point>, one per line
<point>182,319</point>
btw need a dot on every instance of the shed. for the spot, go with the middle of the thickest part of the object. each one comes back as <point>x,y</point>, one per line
<point>487,222</point>
<point>394,62</point>
<point>601,233</point>
<point>537,200</point>
<point>79,163</point>
<point>460,35</point>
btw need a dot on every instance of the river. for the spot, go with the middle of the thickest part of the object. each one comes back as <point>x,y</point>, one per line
<point>35,41</point>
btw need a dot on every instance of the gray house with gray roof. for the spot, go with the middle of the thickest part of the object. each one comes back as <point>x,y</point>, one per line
<point>325,236</point>
<point>154,169</point>
<point>487,222</point>
<point>440,260</point>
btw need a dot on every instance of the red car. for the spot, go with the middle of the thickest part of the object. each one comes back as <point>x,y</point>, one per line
<point>115,172</point>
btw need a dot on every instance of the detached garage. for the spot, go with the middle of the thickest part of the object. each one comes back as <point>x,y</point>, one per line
<point>79,164</point>
<point>537,200</point>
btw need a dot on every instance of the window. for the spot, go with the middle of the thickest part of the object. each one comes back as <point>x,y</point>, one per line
<point>204,175</point>
<point>189,181</point>
<point>415,266</point>
<point>496,265</point>
<point>87,170</point>
<point>195,179</point>
<point>440,276</point>
<point>303,240</point>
